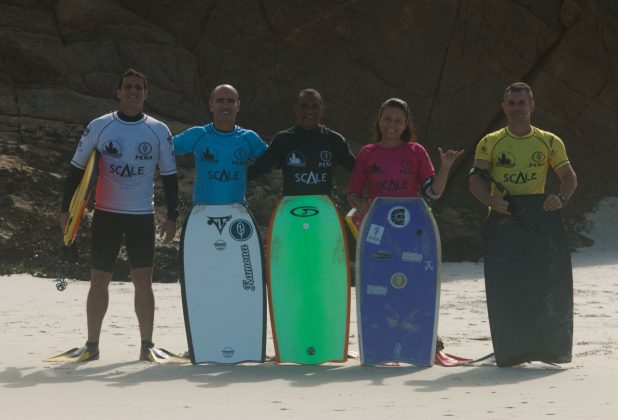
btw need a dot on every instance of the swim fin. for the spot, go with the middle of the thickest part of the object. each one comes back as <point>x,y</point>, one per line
<point>445,359</point>
<point>162,356</point>
<point>75,355</point>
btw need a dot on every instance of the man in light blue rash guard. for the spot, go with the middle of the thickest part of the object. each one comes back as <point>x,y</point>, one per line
<point>222,151</point>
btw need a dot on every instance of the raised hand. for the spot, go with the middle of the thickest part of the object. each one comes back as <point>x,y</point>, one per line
<point>449,157</point>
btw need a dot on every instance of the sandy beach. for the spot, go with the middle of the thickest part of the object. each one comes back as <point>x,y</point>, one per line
<point>37,321</point>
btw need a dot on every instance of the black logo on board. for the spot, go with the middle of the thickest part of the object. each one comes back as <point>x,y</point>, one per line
<point>219,222</point>
<point>304,211</point>
<point>241,230</point>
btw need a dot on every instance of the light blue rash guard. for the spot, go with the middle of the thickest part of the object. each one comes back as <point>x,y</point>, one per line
<point>221,161</point>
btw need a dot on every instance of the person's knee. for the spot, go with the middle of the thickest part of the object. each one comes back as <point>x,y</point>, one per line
<point>142,278</point>
<point>99,279</point>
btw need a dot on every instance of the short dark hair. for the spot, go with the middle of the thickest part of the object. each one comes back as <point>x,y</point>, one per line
<point>133,72</point>
<point>408,133</point>
<point>311,92</point>
<point>518,87</point>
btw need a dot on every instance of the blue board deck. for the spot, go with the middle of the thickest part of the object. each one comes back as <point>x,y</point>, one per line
<point>398,283</point>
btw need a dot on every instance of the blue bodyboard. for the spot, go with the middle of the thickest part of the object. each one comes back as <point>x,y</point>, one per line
<point>398,283</point>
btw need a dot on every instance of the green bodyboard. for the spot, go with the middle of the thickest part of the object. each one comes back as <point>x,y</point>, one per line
<point>308,281</point>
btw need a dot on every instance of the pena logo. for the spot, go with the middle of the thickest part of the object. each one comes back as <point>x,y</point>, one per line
<point>220,245</point>
<point>227,352</point>
<point>399,280</point>
<point>326,159</point>
<point>240,156</point>
<point>304,211</point>
<point>407,167</point>
<point>398,217</point>
<point>538,156</point>
<point>144,148</point>
<point>219,222</point>
<point>112,148</point>
<point>241,230</point>
<point>296,159</point>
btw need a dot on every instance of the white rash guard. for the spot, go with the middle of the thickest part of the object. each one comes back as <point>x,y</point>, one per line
<point>129,155</point>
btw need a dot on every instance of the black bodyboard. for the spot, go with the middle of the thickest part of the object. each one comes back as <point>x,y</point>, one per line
<point>529,284</point>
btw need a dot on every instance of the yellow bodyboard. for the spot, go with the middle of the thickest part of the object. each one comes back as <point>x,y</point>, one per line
<point>80,198</point>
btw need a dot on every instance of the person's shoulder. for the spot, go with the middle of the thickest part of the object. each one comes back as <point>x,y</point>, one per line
<point>495,135</point>
<point>189,137</point>
<point>96,126</point>
<point>415,146</point>
<point>103,119</point>
<point>544,135</point>
<point>155,123</point>
<point>283,134</point>
<point>195,131</point>
<point>247,133</point>
<point>331,133</point>
<point>289,130</point>
<point>368,148</point>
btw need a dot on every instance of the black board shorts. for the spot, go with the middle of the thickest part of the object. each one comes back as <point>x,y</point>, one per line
<point>110,230</point>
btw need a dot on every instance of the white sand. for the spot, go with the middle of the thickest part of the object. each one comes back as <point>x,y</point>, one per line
<point>36,321</point>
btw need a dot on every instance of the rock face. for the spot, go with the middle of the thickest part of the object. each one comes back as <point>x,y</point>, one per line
<point>451,60</point>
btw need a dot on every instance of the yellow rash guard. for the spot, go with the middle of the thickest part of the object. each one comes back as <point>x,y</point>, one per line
<point>521,163</point>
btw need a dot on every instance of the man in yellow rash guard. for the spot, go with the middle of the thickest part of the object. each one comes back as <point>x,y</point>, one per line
<point>519,156</point>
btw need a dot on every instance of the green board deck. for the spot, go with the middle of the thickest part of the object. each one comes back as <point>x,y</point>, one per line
<point>308,281</point>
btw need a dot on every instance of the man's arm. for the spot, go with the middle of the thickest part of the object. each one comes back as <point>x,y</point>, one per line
<point>170,188</point>
<point>568,185</point>
<point>481,188</point>
<point>265,163</point>
<point>74,177</point>
<point>346,158</point>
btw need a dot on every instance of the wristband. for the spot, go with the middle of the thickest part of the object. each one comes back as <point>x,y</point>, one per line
<point>562,199</point>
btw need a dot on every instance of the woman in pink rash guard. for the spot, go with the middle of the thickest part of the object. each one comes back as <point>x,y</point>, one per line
<point>395,165</point>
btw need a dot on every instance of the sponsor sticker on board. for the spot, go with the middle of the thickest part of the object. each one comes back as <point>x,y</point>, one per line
<point>376,290</point>
<point>411,257</point>
<point>399,280</point>
<point>375,233</point>
<point>241,230</point>
<point>398,217</point>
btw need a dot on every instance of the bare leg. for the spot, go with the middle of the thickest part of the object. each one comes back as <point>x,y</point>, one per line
<point>144,301</point>
<point>96,304</point>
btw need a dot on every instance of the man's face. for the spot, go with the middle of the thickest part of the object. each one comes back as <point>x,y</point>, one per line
<point>224,105</point>
<point>132,95</point>
<point>309,110</point>
<point>517,107</point>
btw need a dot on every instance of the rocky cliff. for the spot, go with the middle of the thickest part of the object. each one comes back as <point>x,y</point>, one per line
<point>60,61</point>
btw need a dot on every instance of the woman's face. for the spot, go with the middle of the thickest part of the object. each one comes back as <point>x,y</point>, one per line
<point>392,123</point>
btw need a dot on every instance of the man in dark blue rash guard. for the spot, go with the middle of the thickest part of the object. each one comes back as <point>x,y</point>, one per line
<point>307,153</point>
